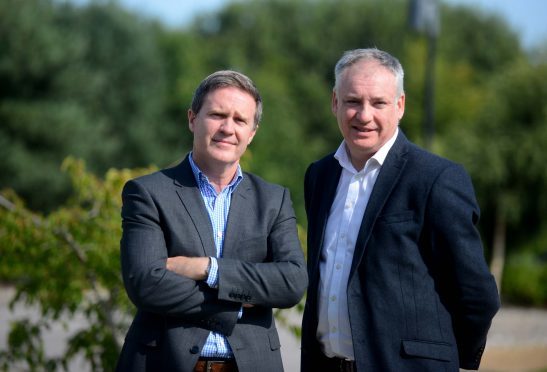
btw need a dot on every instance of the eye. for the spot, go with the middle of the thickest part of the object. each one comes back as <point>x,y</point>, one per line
<point>352,101</point>
<point>380,104</point>
<point>240,121</point>
<point>216,115</point>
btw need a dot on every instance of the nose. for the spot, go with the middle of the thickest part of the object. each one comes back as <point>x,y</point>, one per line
<point>364,113</point>
<point>227,125</point>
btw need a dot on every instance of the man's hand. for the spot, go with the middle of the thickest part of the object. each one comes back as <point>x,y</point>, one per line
<point>191,267</point>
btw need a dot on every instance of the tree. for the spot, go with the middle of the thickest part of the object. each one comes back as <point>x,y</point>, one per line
<point>67,263</point>
<point>504,152</point>
<point>82,81</point>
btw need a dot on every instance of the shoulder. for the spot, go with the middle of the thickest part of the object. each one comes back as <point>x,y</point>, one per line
<point>260,185</point>
<point>325,164</point>
<point>262,195</point>
<point>428,162</point>
<point>164,178</point>
<point>158,177</point>
<point>325,161</point>
<point>428,159</point>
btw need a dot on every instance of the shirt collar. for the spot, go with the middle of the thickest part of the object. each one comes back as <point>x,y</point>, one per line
<point>201,178</point>
<point>380,156</point>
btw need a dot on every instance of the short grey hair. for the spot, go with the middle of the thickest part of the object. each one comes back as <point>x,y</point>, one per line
<point>223,79</point>
<point>385,59</point>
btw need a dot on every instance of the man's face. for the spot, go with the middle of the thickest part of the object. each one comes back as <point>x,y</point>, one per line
<point>222,128</point>
<point>367,109</point>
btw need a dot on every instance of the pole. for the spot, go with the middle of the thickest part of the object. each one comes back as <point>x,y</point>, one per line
<point>429,92</point>
<point>424,18</point>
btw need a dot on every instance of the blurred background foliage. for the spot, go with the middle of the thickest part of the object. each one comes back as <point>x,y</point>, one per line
<point>110,88</point>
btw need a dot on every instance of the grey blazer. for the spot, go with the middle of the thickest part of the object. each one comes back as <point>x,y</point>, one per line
<point>163,215</point>
<point>420,296</point>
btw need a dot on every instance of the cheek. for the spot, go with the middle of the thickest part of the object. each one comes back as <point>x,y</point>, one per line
<point>345,115</point>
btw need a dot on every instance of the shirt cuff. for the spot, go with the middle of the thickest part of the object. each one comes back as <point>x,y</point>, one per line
<point>212,278</point>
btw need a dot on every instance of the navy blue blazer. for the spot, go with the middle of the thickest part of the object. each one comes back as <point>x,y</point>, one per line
<point>420,295</point>
<point>164,215</point>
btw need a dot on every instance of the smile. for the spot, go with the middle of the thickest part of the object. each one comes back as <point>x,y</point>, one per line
<point>223,142</point>
<point>363,130</point>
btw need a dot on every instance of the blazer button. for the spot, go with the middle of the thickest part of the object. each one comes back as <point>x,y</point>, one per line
<point>194,349</point>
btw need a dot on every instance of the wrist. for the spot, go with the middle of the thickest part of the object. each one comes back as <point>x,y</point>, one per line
<point>208,268</point>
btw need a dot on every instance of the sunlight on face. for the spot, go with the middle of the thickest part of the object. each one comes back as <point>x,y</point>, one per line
<point>223,128</point>
<point>367,108</point>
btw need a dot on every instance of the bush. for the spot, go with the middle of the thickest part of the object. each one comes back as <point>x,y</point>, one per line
<point>525,276</point>
<point>65,264</point>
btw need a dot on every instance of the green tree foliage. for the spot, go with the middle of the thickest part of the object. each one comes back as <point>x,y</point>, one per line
<point>106,86</point>
<point>525,274</point>
<point>113,89</point>
<point>469,36</point>
<point>504,151</point>
<point>87,82</point>
<point>67,264</point>
<point>292,63</point>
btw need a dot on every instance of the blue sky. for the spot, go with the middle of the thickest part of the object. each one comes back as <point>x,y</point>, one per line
<point>527,17</point>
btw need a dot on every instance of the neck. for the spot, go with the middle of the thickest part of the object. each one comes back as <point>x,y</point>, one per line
<point>220,181</point>
<point>358,160</point>
<point>219,175</point>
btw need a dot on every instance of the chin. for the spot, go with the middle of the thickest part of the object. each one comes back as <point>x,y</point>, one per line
<point>365,143</point>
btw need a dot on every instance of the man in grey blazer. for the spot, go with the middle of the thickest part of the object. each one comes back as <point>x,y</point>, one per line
<point>207,250</point>
<point>398,280</point>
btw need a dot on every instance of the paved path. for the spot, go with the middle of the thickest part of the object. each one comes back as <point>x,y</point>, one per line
<point>517,340</point>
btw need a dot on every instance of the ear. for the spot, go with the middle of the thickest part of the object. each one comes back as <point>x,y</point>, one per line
<point>334,102</point>
<point>252,136</point>
<point>191,120</point>
<point>401,106</point>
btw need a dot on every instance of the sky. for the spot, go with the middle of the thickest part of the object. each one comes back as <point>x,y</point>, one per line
<point>526,17</point>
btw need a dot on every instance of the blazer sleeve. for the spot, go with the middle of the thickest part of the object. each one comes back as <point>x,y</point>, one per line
<point>280,280</point>
<point>149,285</point>
<point>468,286</point>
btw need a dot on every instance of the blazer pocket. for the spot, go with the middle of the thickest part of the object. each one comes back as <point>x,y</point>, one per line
<point>396,217</point>
<point>427,349</point>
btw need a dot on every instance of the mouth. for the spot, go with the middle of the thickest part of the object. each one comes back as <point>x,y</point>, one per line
<point>362,130</point>
<point>223,142</point>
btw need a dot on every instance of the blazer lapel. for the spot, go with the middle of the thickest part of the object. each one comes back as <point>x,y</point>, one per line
<point>240,211</point>
<point>329,179</point>
<point>192,201</point>
<point>387,178</point>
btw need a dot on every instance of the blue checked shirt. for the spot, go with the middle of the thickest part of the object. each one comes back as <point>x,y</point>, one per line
<point>218,206</point>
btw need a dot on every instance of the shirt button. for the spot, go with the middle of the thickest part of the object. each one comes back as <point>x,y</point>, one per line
<point>338,266</point>
<point>219,234</point>
<point>194,349</point>
<point>333,298</point>
<point>333,329</point>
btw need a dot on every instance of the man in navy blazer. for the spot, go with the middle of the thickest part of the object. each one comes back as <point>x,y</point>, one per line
<point>398,279</point>
<point>207,250</point>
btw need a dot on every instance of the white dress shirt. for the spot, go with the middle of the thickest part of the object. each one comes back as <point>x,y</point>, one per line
<point>346,213</point>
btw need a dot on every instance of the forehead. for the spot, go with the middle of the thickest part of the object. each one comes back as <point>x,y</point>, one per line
<point>230,97</point>
<point>367,76</point>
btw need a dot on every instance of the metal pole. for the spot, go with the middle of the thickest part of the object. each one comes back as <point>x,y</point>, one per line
<point>429,92</point>
<point>424,17</point>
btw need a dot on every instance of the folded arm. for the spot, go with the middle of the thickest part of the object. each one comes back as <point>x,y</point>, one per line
<point>278,281</point>
<point>149,284</point>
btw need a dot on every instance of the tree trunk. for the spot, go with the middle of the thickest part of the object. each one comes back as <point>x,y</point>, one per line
<point>498,248</point>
